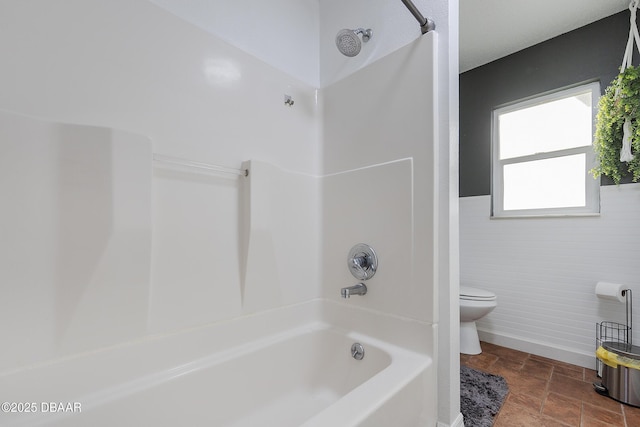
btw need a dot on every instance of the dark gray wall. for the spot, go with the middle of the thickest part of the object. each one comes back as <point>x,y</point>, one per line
<point>591,53</point>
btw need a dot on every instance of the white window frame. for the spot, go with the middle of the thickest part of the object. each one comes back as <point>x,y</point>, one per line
<point>592,196</point>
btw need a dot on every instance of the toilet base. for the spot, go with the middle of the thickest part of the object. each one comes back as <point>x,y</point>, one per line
<point>469,340</point>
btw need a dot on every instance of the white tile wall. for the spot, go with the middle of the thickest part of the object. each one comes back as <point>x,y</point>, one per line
<point>544,272</point>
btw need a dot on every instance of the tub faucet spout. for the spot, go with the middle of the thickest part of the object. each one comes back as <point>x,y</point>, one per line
<point>359,289</point>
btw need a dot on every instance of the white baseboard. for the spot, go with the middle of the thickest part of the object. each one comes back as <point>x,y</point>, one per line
<point>563,354</point>
<point>458,422</point>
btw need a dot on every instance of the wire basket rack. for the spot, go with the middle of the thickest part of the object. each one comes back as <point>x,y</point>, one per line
<point>615,332</point>
<point>611,332</point>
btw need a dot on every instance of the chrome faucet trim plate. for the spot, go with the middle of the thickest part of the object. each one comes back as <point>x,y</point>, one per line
<point>362,261</point>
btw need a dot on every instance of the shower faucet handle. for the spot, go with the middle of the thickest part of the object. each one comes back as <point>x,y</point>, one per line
<point>362,261</point>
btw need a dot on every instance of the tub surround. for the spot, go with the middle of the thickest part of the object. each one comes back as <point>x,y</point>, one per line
<point>169,93</point>
<point>134,378</point>
<point>217,252</point>
<point>386,178</point>
<point>76,237</point>
<point>166,95</point>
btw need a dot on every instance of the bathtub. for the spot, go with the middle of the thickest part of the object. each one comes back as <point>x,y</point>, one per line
<point>287,367</point>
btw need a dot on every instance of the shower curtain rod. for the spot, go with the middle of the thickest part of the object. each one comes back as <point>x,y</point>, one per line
<point>426,24</point>
<point>160,158</point>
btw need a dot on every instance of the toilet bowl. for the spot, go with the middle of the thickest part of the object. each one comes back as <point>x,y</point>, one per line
<point>474,304</point>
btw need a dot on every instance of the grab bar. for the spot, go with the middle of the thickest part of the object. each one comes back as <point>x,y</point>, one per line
<point>426,24</point>
<point>160,158</point>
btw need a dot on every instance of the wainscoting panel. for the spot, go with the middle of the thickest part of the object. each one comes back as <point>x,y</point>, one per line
<point>544,272</point>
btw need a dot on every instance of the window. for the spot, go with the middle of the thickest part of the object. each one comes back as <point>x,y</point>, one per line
<point>542,154</point>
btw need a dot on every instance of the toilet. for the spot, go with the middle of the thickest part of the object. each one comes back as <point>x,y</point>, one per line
<point>474,304</point>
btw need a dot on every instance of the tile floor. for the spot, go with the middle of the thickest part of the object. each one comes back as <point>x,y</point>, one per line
<point>545,392</point>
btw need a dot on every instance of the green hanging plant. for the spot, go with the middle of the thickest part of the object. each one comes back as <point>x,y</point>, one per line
<point>621,101</point>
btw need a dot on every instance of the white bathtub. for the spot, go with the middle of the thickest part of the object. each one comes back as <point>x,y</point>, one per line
<point>287,367</point>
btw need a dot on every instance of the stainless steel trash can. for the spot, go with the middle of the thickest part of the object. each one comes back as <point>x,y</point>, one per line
<point>620,372</point>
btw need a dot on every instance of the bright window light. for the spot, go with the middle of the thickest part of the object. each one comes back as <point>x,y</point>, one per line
<point>542,154</point>
<point>560,184</point>
<point>551,126</point>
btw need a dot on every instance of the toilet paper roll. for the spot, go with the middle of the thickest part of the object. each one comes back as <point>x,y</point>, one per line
<point>610,291</point>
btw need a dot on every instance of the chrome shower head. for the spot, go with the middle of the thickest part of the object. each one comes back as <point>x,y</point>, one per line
<point>348,42</point>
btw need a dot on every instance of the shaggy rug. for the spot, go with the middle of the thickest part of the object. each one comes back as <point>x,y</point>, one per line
<point>481,396</point>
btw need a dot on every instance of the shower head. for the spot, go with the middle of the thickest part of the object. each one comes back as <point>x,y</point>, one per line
<point>348,42</point>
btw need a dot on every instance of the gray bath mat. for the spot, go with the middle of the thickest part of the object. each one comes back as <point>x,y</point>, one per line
<point>481,396</point>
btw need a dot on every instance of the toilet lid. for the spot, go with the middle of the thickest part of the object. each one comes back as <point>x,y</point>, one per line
<point>469,293</point>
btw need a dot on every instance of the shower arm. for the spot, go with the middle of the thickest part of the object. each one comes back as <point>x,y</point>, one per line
<point>426,24</point>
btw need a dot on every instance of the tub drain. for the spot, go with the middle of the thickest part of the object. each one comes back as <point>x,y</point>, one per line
<point>357,351</point>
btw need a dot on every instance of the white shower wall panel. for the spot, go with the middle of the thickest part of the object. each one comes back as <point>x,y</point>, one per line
<point>76,238</point>
<point>383,113</point>
<point>392,25</point>
<point>131,65</point>
<point>371,205</point>
<point>298,36</point>
<point>283,33</point>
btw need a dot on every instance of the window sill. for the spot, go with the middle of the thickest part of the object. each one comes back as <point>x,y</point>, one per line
<point>544,216</point>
